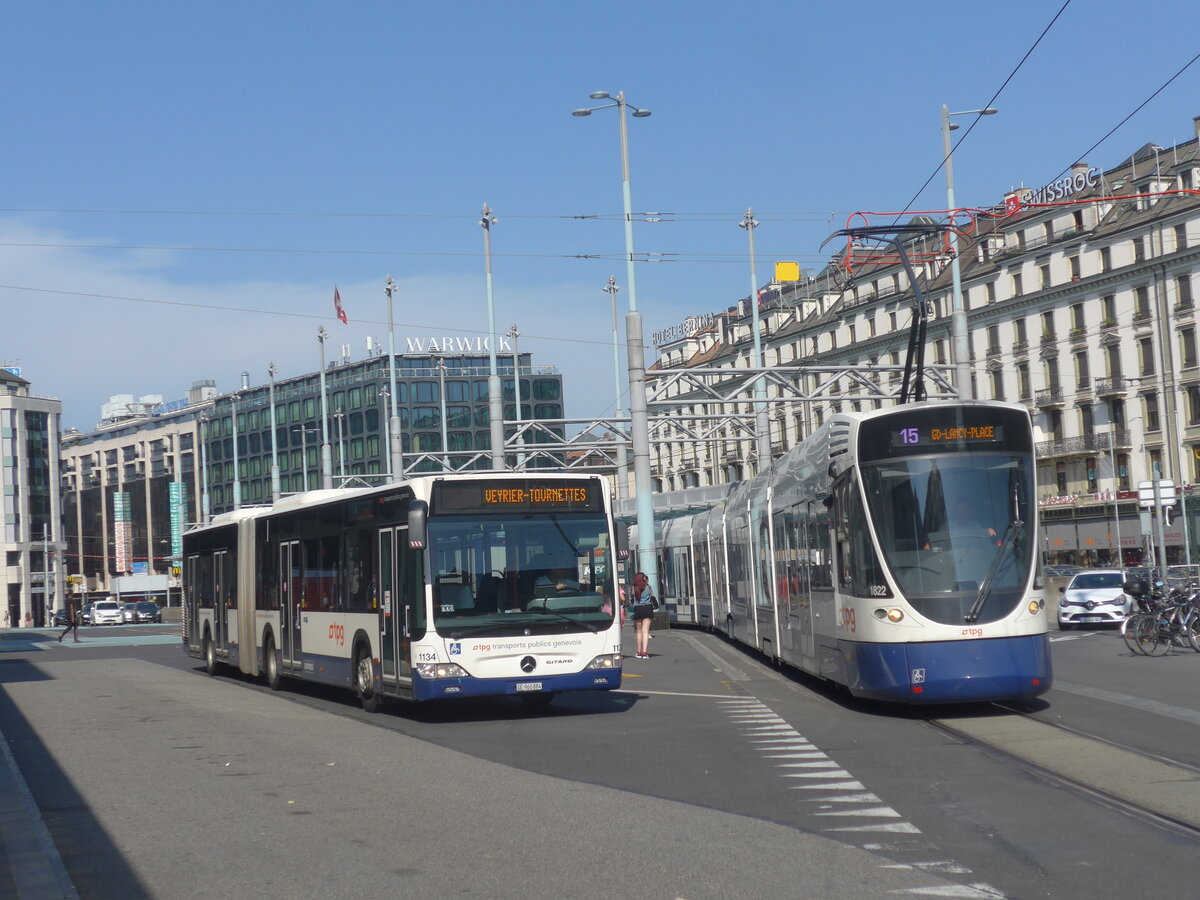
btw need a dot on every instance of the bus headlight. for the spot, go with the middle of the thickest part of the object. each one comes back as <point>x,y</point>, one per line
<point>605,661</point>
<point>440,670</point>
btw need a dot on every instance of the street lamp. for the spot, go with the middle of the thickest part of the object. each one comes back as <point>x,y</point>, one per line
<point>394,449</point>
<point>326,456</point>
<point>237,482</point>
<point>622,463</point>
<point>305,431</point>
<point>339,416</point>
<point>271,370</point>
<point>515,334</point>
<point>958,317</point>
<point>639,420</point>
<point>495,404</point>
<point>760,388</point>
<point>204,504</point>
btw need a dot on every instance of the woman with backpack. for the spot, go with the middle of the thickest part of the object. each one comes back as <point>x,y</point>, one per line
<point>643,604</point>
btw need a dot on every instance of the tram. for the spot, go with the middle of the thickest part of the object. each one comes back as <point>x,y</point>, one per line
<point>440,586</point>
<point>893,552</point>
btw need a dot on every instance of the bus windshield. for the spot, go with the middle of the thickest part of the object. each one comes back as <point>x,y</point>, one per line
<point>503,575</point>
<point>956,531</point>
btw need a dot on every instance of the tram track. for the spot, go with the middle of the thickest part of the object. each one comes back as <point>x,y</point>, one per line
<point>1100,769</point>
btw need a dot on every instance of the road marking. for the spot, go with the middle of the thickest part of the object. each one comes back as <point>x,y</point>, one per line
<point>1161,709</point>
<point>734,673</point>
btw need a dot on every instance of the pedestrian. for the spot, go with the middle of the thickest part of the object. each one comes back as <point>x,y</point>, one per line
<point>72,622</point>
<point>643,613</point>
<point>6,614</point>
<point>28,620</point>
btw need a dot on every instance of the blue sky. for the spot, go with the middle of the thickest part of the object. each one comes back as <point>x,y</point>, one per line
<point>184,184</point>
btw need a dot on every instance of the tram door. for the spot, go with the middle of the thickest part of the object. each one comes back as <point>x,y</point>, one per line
<point>291,588</point>
<point>221,587</point>
<point>401,606</point>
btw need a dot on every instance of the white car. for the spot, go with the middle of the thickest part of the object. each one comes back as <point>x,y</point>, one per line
<point>107,612</point>
<point>1094,597</point>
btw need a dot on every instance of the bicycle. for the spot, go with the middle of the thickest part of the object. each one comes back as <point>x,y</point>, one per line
<point>1162,620</point>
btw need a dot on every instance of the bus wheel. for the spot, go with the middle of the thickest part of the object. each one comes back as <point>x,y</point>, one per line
<point>272,666</point>
<point>210,655</point>
<point>364,681</point>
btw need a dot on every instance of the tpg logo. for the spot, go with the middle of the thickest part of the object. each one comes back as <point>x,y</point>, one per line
<point>456,649</point>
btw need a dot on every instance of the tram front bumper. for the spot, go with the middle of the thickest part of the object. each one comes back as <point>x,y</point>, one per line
<point>963,671</point>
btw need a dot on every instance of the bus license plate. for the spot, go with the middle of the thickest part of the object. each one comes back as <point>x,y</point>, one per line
<point>529,686</point>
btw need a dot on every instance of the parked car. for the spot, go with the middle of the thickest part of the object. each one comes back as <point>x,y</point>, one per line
<point>107,612</point>
<point>61,618</point>
<point>147,611</point>
<point>1094,597</point>
<point>86,614</point>
<point>128,612</point>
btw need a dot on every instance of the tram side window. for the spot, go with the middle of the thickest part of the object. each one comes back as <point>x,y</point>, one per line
<point>859,569</point>
<point>820,558</point>
<point>230,578</point>
<point>266,574</point>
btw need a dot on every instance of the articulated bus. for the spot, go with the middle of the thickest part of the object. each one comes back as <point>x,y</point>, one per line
<point>434,587</point>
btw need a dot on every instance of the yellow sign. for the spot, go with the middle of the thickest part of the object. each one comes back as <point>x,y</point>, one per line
<point>787,271</point>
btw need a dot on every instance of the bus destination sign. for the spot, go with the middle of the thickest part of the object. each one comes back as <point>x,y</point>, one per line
<point>513,495</point>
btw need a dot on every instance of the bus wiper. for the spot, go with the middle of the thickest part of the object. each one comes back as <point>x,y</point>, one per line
<point>1015,529</point>
<point>579,623</point>
<point>468,630</point>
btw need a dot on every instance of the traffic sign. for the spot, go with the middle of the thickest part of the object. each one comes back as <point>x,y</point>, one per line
<point>1166,493</point>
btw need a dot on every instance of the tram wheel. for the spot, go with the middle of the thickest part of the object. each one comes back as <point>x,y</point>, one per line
<point>364,682</point>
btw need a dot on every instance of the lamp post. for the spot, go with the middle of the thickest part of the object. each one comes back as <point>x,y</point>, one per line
<point>271,370</point>
<point>304,432</point>
<point>339,416</point>
<point>622,462</point>
<point>326,455</point>
<point>205,418</point>
<point>495,404</point>
<point>237,481</point>
<point>385,395</point>
<point>1116,489</point>
<point>395,453</point>
<point>958,317</point>
<point>761,425</point>
<point>442,404</point>
<point>516,335</point>
<point>639,420</point>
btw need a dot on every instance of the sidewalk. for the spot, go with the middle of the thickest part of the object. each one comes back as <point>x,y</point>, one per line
<point>30,867</point>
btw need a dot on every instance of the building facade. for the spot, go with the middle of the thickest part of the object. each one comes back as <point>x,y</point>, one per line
<point>131,485</point>
<point>1080,303</point>
<point>31,541</point>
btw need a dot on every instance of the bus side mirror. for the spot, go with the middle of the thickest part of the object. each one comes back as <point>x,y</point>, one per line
<point>418,515</point>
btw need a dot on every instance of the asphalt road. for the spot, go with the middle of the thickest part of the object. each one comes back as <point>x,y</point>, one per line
<point>710,774</point>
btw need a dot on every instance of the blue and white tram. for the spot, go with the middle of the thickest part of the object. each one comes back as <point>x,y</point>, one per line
<point>893,552</point>
<point>434,587</point>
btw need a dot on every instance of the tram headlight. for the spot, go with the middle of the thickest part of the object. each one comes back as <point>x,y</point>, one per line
<point>1035,606</point>
<point>440,670</point>
<point>605,661</point>
<point>895,615</point>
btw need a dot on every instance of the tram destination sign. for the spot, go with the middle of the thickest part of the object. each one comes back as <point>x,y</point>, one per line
<point>507,495</point>
<point>944,430</point>
<point>959,435</point>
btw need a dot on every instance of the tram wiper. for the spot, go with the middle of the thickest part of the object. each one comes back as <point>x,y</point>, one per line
<point>1015,529</point>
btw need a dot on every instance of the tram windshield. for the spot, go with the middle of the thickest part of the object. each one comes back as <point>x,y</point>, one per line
<point>955,531</point>
<point>497,576</point>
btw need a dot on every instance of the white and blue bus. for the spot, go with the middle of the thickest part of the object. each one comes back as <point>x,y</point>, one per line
<point>433,587</point>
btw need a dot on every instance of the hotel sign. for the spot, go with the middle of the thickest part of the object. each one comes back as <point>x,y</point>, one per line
<point>1061,189</point>
<point>456,345</point>
<point>689,327</point>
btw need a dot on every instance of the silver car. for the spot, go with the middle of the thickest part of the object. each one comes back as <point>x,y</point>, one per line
<point>1094,597</point>
<point>107,612</point>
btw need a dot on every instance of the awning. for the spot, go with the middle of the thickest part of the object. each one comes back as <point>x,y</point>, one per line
<point>1059,536</point>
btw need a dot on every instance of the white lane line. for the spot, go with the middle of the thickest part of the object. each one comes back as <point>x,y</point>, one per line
<point>978,891</point>
<point>879,812</point>
<point>946,866</point>
<point>845,798</point>
<point>826,786</point>
<point>1160,709</point>
<point>898,827</point>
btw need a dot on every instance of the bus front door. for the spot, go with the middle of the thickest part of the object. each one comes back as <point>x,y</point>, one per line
<point>399,567</point>
<point>291,597</point>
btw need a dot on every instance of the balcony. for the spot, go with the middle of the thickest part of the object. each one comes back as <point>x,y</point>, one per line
<point>1049,399</point>
<point>1084,444</point>
<point>1110,387</point>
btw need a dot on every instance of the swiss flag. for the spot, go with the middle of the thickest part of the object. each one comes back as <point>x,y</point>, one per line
<point>337,307</point>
